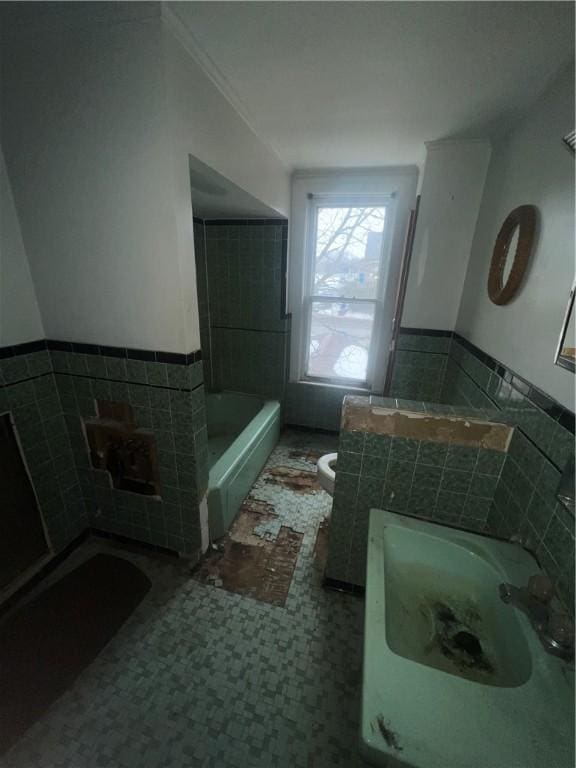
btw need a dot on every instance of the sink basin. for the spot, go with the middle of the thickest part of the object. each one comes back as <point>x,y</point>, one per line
<point>454,677</point>
<point>447,617</point>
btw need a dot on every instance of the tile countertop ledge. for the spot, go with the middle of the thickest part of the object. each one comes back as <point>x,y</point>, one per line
<point>432,422</point>
<point>418,716</point>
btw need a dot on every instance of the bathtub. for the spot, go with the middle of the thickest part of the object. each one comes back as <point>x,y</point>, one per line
<point>242,431</point>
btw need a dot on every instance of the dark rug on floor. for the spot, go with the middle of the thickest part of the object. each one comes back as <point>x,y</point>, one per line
<point>50,640</point>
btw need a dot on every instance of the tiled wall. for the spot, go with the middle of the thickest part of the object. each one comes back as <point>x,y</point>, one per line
<point>419,365</point>
<point>49,392</point>
<point>203,301</point>
<point>166,398</point>
<point>525,501</point>
<point>244,285</point>
<point>418,375</point>
<point>28,391</point>
<point>316,406</point>
<point>438,481</point>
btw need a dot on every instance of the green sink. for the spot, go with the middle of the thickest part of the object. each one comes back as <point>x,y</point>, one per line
<point>454,677</point>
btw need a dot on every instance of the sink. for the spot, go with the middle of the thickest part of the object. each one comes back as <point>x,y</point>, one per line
<point>454,677</point>
<point>449,618</point>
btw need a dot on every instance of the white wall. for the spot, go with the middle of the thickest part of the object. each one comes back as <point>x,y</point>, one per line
<point>101,107</point>
<point>208,127</point>
<point>85,136</point>
<point>202,123</point>
<point>452,185</point>
<point>20,319</point>
<point>398,181</point>
<point>532,166</point>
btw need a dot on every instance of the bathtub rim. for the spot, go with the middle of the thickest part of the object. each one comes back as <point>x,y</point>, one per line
<point>223,468</point>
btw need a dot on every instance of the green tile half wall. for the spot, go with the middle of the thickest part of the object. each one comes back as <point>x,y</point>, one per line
<point>431,477</point>
<point>50,392</point>
<point>28,392</point>
<point>444,367</point>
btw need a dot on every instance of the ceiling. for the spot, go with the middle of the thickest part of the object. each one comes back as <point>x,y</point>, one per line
<point>336,84</point>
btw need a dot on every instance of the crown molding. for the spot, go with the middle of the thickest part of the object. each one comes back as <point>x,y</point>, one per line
<point>190,43</point>
<point>442,143</point>
<point>410,170</point>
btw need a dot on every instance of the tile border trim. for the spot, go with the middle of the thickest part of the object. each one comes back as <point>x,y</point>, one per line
<point>536,396</point>
<point>242,222</point>
<point>127,353</point>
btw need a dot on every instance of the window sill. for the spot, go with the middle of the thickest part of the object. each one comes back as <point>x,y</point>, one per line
<point>333,385</point>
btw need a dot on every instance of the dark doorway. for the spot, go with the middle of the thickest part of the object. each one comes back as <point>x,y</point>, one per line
<point>22,539</point>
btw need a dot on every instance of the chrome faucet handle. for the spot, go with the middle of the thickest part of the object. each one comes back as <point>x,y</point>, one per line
<point>541,588</point>
<point>559,635</point>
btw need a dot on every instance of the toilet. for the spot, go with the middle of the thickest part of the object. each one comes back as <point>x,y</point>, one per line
<point>327,471</point>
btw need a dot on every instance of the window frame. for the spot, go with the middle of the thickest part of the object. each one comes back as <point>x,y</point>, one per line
<point>375,352</point>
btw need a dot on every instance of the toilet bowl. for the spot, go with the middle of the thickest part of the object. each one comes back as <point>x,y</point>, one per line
<point>327,471</point>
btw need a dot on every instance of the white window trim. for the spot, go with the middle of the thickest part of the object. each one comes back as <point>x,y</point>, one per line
<point>397,188</point>
<point>375,354</point>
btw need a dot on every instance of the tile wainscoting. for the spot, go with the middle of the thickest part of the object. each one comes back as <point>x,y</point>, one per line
<point>426,476</point>
<point>524,501</point>
<point>241,266</point>
<point>52,389</point>
<point>315,406</point>
<point>28,392</point>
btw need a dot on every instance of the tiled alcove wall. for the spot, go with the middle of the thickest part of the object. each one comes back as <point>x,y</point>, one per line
<point>525,501</point>
<point>240,267</point>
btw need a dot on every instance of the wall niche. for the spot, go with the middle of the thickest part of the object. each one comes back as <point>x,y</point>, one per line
<point>118,446</point>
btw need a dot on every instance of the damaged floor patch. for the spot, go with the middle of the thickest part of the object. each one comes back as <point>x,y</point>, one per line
<point>297,480</point>
<point>256,558</point>
<point>283,519</point>
<point>262,571</point>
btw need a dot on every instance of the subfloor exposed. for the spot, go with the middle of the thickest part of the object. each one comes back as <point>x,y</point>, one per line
<point>200,677</point>
<point>257,556</point>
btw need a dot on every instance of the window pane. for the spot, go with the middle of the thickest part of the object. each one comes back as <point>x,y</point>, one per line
<point>347,251</point>
<point>340,335</point>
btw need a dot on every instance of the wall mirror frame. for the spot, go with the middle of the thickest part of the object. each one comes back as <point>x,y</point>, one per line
<point>523,219</point>
<point>566,350</point>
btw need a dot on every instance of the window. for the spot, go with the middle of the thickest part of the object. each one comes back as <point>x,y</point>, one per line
<point>344,264</point>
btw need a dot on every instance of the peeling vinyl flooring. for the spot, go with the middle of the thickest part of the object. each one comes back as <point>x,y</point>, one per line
<point>204,677</point>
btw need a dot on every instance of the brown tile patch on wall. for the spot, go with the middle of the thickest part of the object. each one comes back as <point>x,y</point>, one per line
<point>459,430</point>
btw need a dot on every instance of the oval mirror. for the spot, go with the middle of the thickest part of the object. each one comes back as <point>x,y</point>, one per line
<point>511,254</point>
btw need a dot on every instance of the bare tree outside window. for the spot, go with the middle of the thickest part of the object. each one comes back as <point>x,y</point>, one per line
<point>347,263</point>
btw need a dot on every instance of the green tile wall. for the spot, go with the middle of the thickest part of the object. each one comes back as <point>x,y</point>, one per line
<point>315,406</point>
<point>167,399</point>
<point>203,299</point>
<point>525,504</point>
<point>419,366</point>
<point>28,391</point>
<point>253,362</point>
<point>248,336</point>
<point>435,481</point>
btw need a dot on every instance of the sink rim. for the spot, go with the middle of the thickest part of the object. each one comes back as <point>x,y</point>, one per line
<point>441,720</point>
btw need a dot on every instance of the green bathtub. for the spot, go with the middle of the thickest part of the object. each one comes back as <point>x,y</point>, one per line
<point>242,432</point>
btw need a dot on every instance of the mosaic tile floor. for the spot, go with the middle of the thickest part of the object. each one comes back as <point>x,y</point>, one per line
<point>202,678</point>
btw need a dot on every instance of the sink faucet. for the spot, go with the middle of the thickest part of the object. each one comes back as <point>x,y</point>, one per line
<point>555,630</point>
